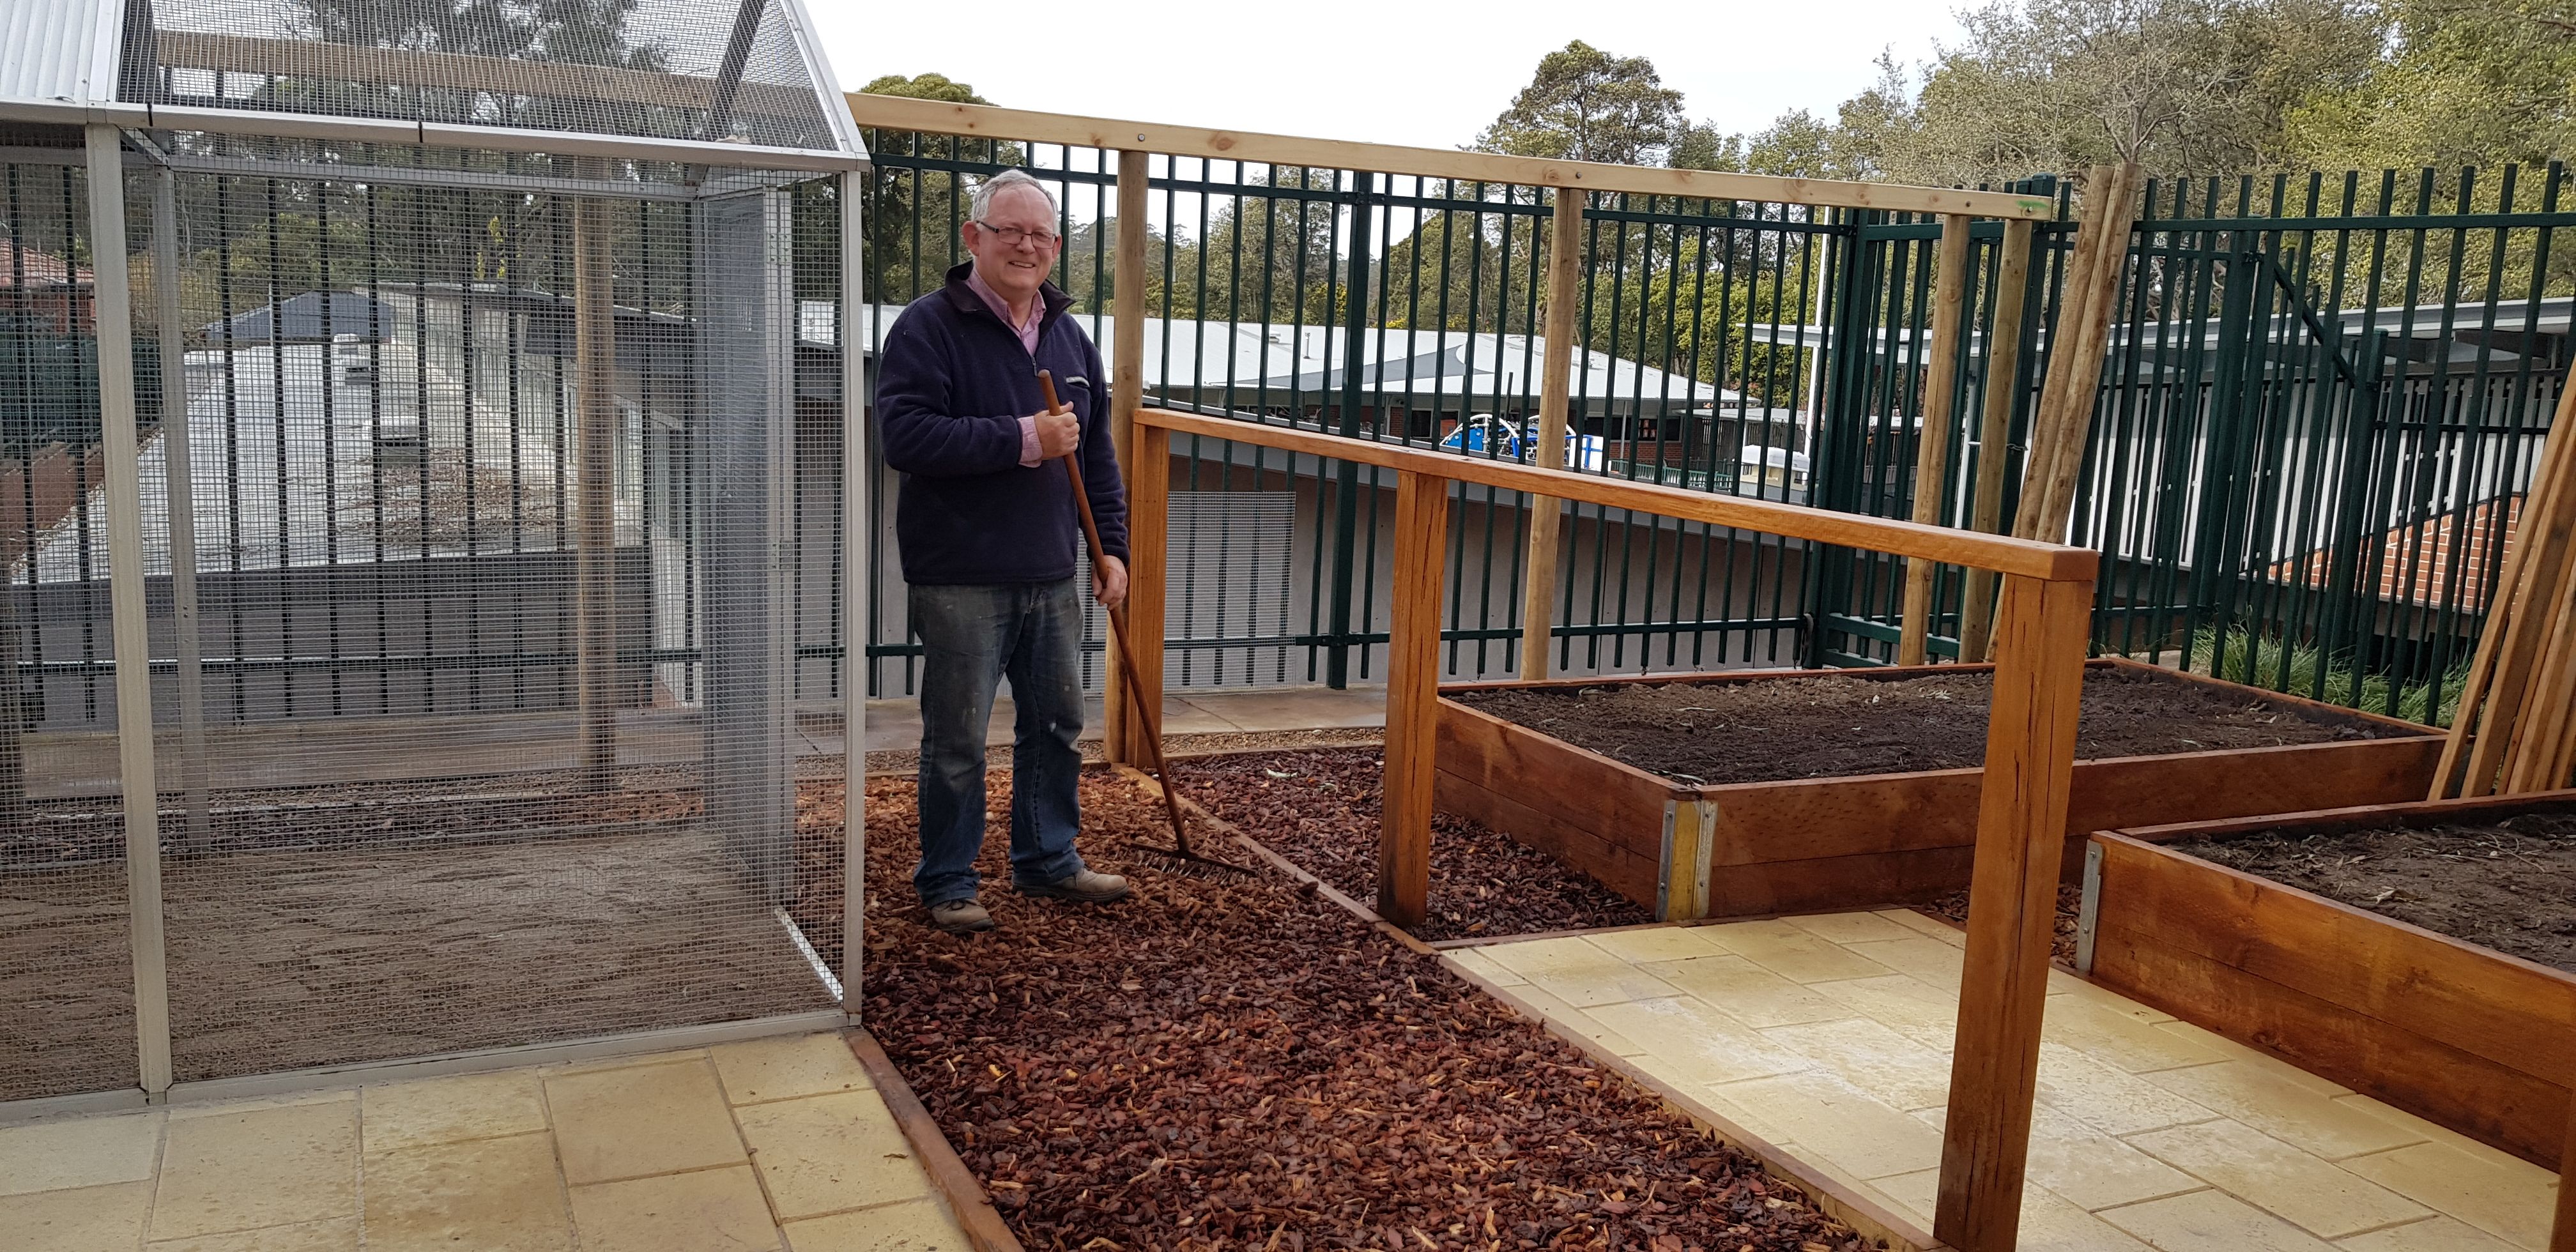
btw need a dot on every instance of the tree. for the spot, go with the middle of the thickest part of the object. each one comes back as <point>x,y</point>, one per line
<point>1587,105</point>
<point>912,215</point>
<point>2469,82</point>
<point>924,87</point>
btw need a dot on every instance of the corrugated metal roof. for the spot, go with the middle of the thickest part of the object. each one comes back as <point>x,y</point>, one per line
<point>49,51</point>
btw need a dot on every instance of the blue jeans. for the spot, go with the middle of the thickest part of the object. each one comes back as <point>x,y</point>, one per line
<point>973,636</point>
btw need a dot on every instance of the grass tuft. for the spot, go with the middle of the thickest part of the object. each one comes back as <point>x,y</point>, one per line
<point>2257,661</point>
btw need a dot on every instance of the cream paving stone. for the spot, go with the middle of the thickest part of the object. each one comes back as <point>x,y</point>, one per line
<point>2118,1038</point>
<point>1474,960</point>
<point>622,1062</point>
<point>913,1226</point>
<point>249,1167</point>
<point>1908,1005</point>
<point>1743,990</point>
<point>1701,1041</point>
<point>493,1195</point>
<point>223,1108</point>
<point>2504,1197</point>
<point>2048,1222</point>
<point>1850,927</point>
<point>83,1219</point>
<point>707,1210</point>
<point>2108,1098</point>
<point>2066,984</point>
<point>337,1235</point>
<point>2255,1058</point>
<point>2261,1098</point>
<point>1931,960</point>
<point>448,1110</point>
<point>1578,973</point>
<point>822,1154</point>
<point>1925,924</point>
<point>1833,1120</point>
<point>652,1119</point>
<point>1654,943</point>
<point>2432,1132</point>
<point>2209,1221</point>
<point>1746,1118</point>
<point>787,1067</point>
<point>2442,1234</point>
<point>2279,1179</point>
<point>1548,1010</point>
<point>1794,954</point>
<point>78,1152</point>
<point>2088,1168</point>
<point>1870,1056</point>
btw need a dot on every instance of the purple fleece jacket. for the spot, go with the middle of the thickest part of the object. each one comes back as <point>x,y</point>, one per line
<point>953,383</point>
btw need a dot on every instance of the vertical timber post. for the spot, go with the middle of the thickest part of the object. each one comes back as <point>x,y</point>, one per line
<point>856,595</point>
<point>113,313</point>
<point>1555,397</point>
<point>1149,540</point>
<point>2012,910</point>
<point>594,476</point>
<point>1994,439</point>
<point>1950,294</point>
<point>1412,698</point>
<point>2562,1233</point>
<point>1126,391</point>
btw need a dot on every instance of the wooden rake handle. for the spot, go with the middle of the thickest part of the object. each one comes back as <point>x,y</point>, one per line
<point>1148,718</point>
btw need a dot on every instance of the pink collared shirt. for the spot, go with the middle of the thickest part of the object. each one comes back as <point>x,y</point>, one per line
<point>1028,332</point>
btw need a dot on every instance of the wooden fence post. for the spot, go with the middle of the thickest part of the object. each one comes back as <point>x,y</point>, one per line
<point>2562,1233</point>
<point>1555,396</point>
<point>594,477</point>
<point>2012,910</point>
<point>1950,295</point>
<point>1121,732</point>
<point>1412,698</point>
<point>1149,541</point>
<point>1994,453</point>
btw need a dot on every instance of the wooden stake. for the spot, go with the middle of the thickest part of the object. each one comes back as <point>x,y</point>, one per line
<point>1123,739</point>
<point>2562,1235</point>
<point>1950,292</point>
<point>1994,454</point>
<point>1412,698</point>
<point>594,478</point>
<point>2491,699</point>
<point>2012,910</point>
<point>2066,403</point>
<point>1555,397</point>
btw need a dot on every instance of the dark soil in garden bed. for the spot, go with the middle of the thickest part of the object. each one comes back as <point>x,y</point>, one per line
<point>2509,885</point>
<point>1766,730</point>
<point>1320,810</point>
<point>1238,1063</point>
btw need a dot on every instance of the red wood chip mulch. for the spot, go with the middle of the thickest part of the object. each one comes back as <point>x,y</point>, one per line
<point>1239,1064</point>
<point>1320,810</point>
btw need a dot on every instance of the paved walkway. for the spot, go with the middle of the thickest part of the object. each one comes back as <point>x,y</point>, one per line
<point>1830,1036</point>
<point>776,1144</point>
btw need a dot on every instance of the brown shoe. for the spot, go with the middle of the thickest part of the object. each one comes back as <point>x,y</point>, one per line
<point>1084,886</point>
<point>960,917</point>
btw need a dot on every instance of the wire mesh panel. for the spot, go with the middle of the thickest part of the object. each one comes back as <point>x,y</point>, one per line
<point>471,551</point>
<point>66,977</point>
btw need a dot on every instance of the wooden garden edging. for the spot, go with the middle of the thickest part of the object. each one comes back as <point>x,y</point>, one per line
<point>2042,636</point>
<point>2459,1034</point>
<point>1690,851</point>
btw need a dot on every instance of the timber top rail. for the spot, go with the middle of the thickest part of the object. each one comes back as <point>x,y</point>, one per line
<point>2029,558</point>
<point>1028,126</point>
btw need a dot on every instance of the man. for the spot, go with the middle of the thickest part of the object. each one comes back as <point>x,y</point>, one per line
<point>987,527</point>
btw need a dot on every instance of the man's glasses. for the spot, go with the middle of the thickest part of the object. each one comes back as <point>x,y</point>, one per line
<point>1012,235</point>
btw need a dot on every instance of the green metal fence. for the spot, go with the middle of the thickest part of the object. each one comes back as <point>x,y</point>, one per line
<point>2321,399</point>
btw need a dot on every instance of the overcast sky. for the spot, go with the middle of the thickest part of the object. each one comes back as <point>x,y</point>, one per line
<point>1428,74</point>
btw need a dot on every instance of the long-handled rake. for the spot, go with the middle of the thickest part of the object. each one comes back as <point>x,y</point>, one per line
<point>1178,858</point>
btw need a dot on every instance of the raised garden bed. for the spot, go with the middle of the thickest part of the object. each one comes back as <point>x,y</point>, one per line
<point>2321,937</point>
<point>1774,793</point>
<point>1239,1063</point>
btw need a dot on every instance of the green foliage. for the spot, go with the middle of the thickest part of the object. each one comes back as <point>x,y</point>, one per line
<point>2468,82</point>
<point>2267,661</point>
<point>923,87</point>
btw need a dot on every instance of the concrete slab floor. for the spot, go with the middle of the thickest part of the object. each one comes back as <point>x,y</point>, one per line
<point>778,1144</point>
<point>1830,1036</point>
